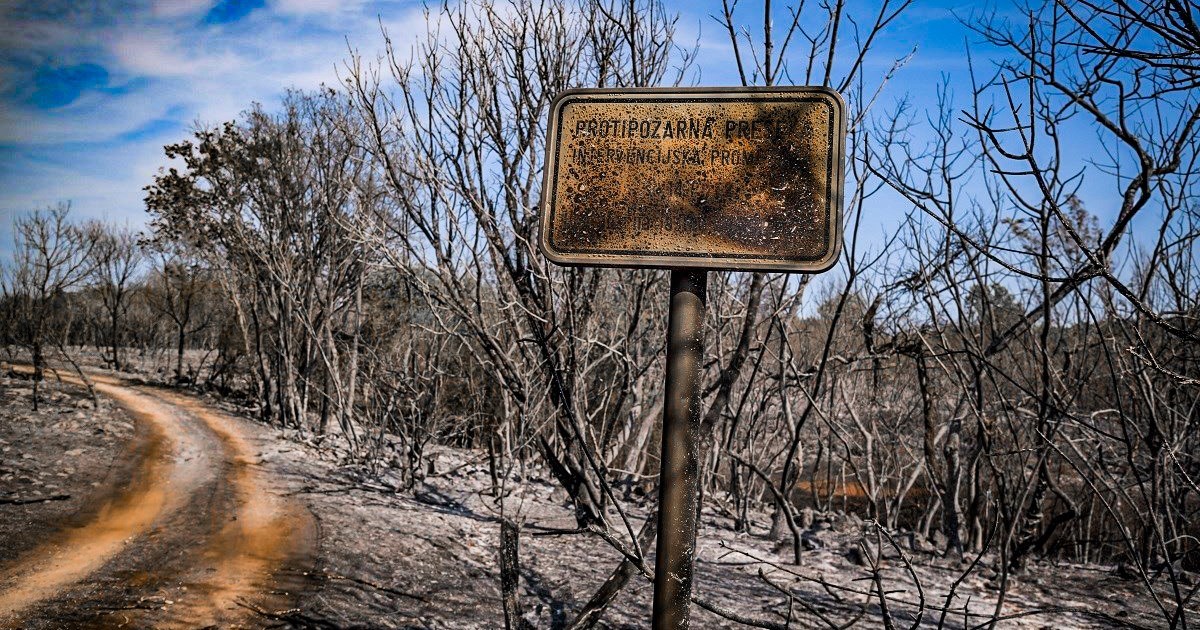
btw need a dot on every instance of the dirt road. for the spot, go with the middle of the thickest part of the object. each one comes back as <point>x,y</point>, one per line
<point>198,537</point>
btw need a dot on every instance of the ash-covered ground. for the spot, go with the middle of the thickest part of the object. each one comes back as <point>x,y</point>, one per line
<point>427,557</point>
<point>55,461</point>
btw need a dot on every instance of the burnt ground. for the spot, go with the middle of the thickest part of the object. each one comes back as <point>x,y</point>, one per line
<point>426,558</point>
<point>56,462</point>
<point>184,528</point>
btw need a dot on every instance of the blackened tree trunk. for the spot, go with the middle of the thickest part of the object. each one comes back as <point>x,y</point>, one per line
<point>510,574</point>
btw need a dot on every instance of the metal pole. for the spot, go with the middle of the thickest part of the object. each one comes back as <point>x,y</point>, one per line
<point>678,482</point>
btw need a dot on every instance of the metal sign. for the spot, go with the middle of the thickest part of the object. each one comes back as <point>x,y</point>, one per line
<point>718,178</point>
<point>692,179</point>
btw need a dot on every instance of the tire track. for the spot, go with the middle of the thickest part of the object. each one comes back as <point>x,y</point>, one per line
<point>198,485</point>
<point>257,556</point>
<point>76,553</point>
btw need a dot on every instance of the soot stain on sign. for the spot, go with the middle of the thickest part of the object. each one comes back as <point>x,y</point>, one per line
<point>729,178</point>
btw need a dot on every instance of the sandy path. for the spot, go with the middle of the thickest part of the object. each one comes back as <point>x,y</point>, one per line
<point>267,531</point>
<point>44,571</point>
<point>199,527</point>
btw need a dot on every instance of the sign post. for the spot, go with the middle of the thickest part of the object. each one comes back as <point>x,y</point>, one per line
<point>692,180</point>
<point>679,479</point>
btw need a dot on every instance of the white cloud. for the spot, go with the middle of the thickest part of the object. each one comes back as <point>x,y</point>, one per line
<point>167,71</point>
<point>317,7</point>
<point>168,9</point>
<point>161,52</point>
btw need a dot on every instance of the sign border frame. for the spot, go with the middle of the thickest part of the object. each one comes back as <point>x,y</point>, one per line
<point>702,261</point>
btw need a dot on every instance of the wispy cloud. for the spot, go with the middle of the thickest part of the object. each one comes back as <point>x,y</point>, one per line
<point>90,92</point>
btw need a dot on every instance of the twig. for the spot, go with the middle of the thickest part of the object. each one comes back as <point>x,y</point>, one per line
<point>57,497</point>
<point>378,587</point>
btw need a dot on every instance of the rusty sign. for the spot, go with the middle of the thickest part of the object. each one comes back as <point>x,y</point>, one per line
<point>726,178</point>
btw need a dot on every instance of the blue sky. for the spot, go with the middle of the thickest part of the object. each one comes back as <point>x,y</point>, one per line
<point>90,92</point>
